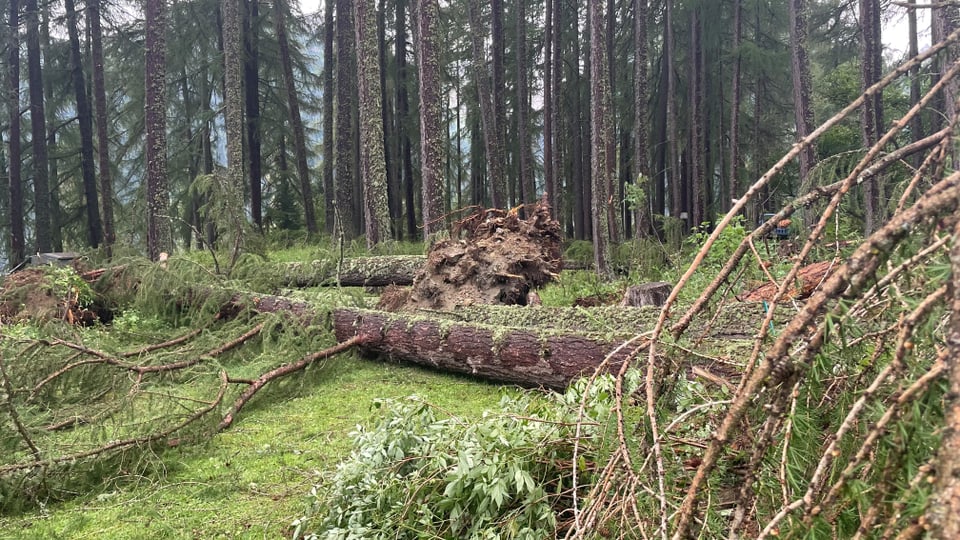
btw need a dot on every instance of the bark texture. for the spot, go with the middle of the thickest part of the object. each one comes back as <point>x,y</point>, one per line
<point>159,238</point>
<point>431,126</point>
<point>346,175</point>
<point>871,114</point>
<point>251,95</point>
<point>802,83</point>
<point>373,165</point>
<point>329,91</point>
<point>512,355</point>
<point>641,149</point>
<point>601,138</point>
<point>233,106</point>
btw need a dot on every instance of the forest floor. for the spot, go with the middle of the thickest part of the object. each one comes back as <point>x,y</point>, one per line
<point>252,480</point>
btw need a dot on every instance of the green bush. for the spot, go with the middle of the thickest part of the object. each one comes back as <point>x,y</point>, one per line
<point>423,474</point>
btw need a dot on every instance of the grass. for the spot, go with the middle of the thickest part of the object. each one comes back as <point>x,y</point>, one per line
<point>252,480</point>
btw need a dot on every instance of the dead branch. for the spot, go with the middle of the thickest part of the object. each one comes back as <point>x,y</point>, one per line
<point>14,416</point>
<point>280,372</point>
<point>938,200</point>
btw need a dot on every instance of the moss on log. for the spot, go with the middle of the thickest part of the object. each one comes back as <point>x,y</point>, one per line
<point>353,272</point>
<point>530,357</point>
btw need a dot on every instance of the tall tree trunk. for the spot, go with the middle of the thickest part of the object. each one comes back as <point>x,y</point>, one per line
<point>373,171</point>
<point>641,114</point>
<point>802,83</point>
<point>404,150</point>
<point>735,99</point>
<point>346,176</point>
<point>497,45</point>
<point>527,182</point>
<point>871,114</point>
<point>251,82</point>
<point>696,106</point>
<point>387,119</point>
<point>673,154</point>
<point>558,201</point>
<point>296,121</point>
<point>52,127</point>
<point>549,177</point>
<point>103,141</point>
<point>233,105</point>
<point>601,137</point>
<point>17,240</point>
<point>493,144</point>
<point>329,62</point>
<point>41,206</point>
<point>158,195</point>
<point>431,126</point>
<point>85,119</point>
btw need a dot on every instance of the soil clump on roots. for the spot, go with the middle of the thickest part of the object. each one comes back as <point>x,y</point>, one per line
<point>493,257</point>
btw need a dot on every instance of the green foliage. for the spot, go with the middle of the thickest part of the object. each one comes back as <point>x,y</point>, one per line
<point>66,283</point>
<point>579,251</point>
<point>420,473</point>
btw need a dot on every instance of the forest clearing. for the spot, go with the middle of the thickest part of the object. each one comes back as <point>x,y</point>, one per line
<point>531,269</point>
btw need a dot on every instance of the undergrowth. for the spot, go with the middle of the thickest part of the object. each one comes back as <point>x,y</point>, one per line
<point>423,473</point>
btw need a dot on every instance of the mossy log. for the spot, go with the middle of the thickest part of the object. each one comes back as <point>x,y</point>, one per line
<point>354,272</point>
<point>532,357</point>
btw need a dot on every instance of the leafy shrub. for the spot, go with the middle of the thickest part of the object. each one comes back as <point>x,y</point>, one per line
<point>423,474</point>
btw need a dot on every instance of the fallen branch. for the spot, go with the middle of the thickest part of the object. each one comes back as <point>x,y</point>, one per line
<point>282,371</point>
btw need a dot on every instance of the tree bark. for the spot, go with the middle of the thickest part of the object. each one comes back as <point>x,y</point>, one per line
<point>871,114</point>
<point>373,171</point>
<point>251,85</point>
<point>802,83</point>
<point>431,126</point>
<point>158,222</point>
<point>346,176</point>
<point>85,120</point>
<point>233,110</point>
<point>41,187</point>
<point>641,114</point>
<point>329,62</point>
<point>735,99</point>
<point>673,158</point>
<point>103,140</point>
<point>17,240</point>
<point>296,121</point>
<point>601,138</point>
<point>529,357</point>
<point>549,171</point>
<point>527,183</point>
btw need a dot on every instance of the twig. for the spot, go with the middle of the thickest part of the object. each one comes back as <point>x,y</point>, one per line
<point>175,341</point>
<point>283,371</point>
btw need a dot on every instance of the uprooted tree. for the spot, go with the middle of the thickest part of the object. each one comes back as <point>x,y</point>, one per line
<point>829,405</point>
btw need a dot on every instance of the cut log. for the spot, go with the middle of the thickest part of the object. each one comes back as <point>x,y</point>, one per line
<point>535,357</point>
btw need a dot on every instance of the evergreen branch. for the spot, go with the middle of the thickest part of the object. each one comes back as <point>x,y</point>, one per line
<point>124,443</point>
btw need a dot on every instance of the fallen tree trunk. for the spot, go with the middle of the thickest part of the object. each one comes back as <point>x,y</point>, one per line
<point>528,357</point>
<point>353,272</point>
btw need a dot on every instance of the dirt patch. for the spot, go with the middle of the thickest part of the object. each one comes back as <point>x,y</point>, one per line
<point>495,257</point>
